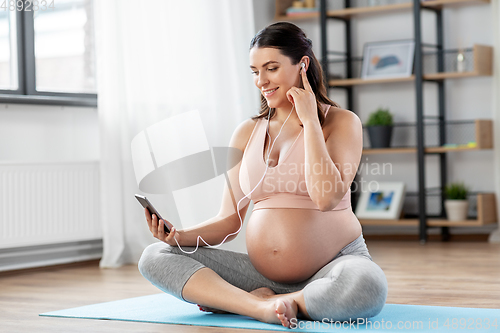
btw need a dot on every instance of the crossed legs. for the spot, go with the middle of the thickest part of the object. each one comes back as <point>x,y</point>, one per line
<point>207,288</point>
<point>350,287</point>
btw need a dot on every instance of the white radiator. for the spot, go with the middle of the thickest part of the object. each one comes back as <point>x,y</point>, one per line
<point>48,203</point>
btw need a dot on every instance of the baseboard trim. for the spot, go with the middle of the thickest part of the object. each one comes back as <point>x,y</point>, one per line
<point>79,264</point>
<point>430,238</point>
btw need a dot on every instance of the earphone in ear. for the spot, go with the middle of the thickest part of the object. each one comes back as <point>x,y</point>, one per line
<point>303,65</point>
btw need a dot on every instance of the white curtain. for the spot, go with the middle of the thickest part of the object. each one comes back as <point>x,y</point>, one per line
<point>157,59</point>
<point>495,236</point>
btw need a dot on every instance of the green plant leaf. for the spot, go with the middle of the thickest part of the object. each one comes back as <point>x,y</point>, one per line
<point>380,117</point>
<point>456,191</point>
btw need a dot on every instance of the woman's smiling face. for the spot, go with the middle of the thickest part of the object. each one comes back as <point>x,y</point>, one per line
<point>274,75</point>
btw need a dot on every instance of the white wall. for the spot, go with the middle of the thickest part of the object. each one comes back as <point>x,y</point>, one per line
<point>465,98</point>
<point>36,133</point>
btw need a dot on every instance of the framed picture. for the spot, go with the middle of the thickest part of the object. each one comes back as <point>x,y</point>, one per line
<point>384,201</point>
<point>388,59</point>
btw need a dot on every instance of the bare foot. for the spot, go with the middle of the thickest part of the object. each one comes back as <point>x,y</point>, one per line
<point>286,311</point>
<point>263,292</point>
<point>276,309</point>
<point>281,311</point>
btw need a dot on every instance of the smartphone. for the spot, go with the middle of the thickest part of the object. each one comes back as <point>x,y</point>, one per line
<point>146,204</point>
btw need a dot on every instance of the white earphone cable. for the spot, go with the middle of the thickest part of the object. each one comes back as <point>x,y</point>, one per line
<point>237,205</point>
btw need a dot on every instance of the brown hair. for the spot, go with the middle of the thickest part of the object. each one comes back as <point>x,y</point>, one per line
<point>293,43</point>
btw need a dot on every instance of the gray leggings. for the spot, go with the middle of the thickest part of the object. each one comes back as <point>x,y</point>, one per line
<point>348,287</point>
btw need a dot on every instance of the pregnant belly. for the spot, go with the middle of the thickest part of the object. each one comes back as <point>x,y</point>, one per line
<point>290,245</point>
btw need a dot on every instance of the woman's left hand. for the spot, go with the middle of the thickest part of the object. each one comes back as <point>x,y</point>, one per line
<point>304,100</point>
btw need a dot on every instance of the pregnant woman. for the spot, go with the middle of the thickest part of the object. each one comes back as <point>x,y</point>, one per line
<point>306,253</point>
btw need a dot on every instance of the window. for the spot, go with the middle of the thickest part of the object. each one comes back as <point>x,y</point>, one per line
<point>8,48</point>
<point>47,52</point>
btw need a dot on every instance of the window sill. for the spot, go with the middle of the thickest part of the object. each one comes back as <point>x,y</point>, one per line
<point>48,100</point>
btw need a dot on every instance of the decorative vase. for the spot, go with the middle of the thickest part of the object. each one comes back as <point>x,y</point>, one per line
<point>380,136</point>
<point>456,210</point>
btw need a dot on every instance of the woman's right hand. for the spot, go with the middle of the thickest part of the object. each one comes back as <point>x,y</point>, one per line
<point>156,228</point>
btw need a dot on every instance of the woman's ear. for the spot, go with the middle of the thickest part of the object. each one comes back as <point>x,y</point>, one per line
<point>305,60</point>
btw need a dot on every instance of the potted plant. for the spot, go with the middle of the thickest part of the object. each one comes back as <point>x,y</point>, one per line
<point>456,203</point>
<point>379,126</point>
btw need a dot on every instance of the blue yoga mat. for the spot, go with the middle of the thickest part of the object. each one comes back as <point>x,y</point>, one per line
<point>164,308</point>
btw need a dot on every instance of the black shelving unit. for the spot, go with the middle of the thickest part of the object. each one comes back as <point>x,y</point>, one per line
<point>419,82</point>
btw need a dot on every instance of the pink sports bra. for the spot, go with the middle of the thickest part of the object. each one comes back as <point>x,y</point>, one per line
<point>284,185</point>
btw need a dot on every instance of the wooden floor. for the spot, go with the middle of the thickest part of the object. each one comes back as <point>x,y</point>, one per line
<point>448,274</point>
